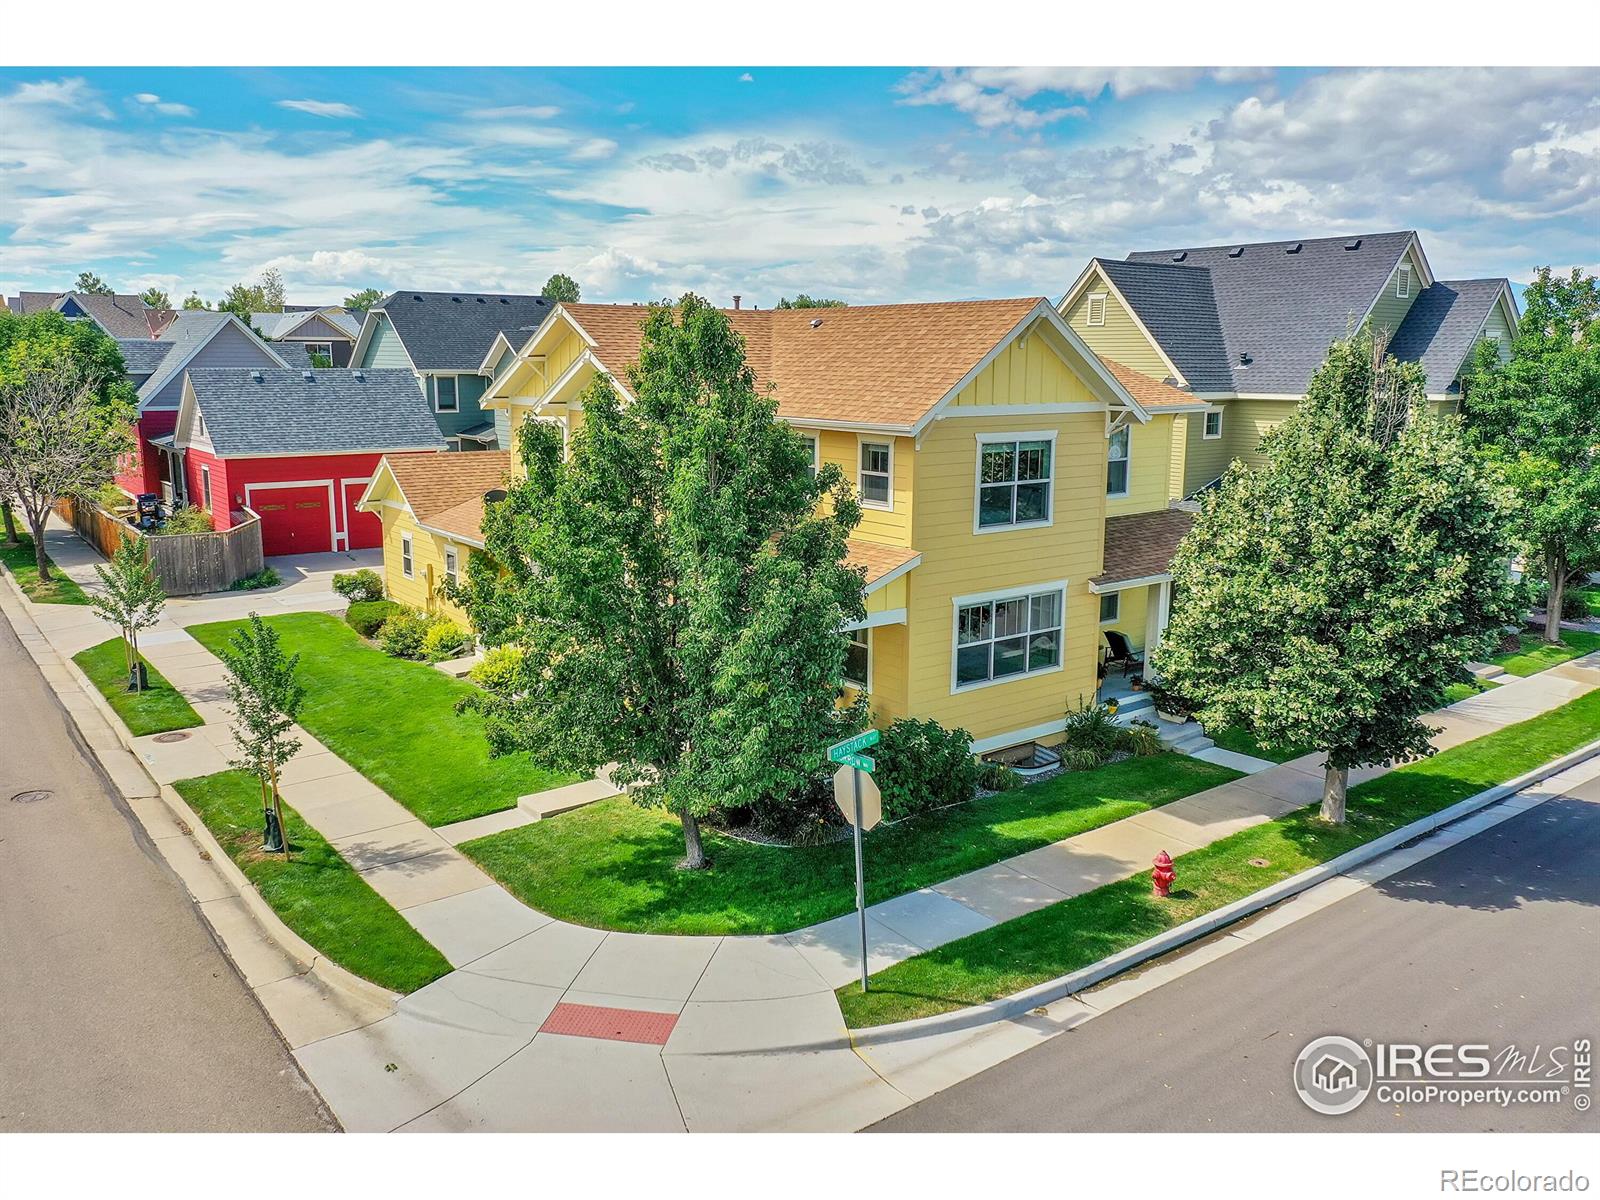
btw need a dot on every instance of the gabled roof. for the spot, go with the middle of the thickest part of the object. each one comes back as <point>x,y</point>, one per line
<point>141,356</point>
<point>1444,323</point>
<point>445,491</point>
<point>451,331</point>
<point>880,562</point>
<point>1152,394</point>
<point>274,325</point>
<point>1177,306</point>
<point>281,411</point>
<point>187,334</point>
<point>1139,547</point>
<point>1279,304</point>
<point>122,316</point>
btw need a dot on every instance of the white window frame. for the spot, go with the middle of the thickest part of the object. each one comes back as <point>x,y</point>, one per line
<point>957,603</point>
<point>408,558</point>
<point>205,485</point>
<point>326,351</point>
<point>989,439</point>
<point>455,390</point>
<point>1205,425</point>
<point>1116,607</point>
<point>1402,283</point>
<point>452,563</point>
<point>814,436</point>
<point>1127,478</point>
<point>862,442</point>
<point>1089,309</point>
<point>862,636</point>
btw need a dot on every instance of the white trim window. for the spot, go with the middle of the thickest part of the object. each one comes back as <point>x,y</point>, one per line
<point>407,562</point>
<point>1110,607</point>
<point>1402,282</point>
<point>320,350</point>
<point>452,565</point>
<point>875,481</point>
<point>1211,429</point>
<point>1016,474</point>
<point>1007,636</point>
<point>439,402</point>
<point>205,488</point>
<point>1118,465</point>
<point>1094,310</point>
<point>858,658</point>
<point>813,442</point>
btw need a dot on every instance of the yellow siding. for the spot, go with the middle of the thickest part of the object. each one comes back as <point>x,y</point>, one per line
<point>561,356</point>
<point>1149,469</point>
<point>1027,371</point>
<point>888,651</point>
<point>1131,617</point>
<point>889,597</point>
<point>427,558</point>
<point>1388,309</point>
<point>1177,461</point>
<point>1120,337</point>
<point>888,527</point>
<point>1247,422</point>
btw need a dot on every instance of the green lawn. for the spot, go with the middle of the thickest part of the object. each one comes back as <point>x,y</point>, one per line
<point>1458,692</point>
<point>1242,741</point>
<point>59,590</point>
<point>611,864</point>
<point>157,709</point>
<point>316,892</point>
<point>395,722</point>
<point>1591,597</point>
<point>1077,932</point>
<point>1538,655</point>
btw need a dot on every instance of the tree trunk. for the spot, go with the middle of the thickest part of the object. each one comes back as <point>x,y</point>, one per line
<point>694,858</point>
<point>1335,782</point>
<point>40,559</point>
<point>277,808</point>
<point>11,523</point>
<point>1556,573</point>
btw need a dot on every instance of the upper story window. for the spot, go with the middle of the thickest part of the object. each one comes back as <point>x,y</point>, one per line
<point>810,441</point>
<point>877,470</point>
<point>1007,636</point>
<point>1015,473</point>
<point>1094,312</point>
<point>451,571</point>
<point>205,488</point>
<point>320,353</point>
<point>1213,425</point>
<point>445,399</point>
<point>406,566</point>
<point>857,657</point>
<point>1117,463</point>
<point>1402,282</point>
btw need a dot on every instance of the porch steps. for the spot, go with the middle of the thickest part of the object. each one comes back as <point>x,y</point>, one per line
<point>1486,671</point>
<point>574,795</point>
<point>1188,738</point>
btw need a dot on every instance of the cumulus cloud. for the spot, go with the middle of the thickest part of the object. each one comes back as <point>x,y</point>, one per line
<point>995,96</point>
<point>322,108</point>
<point>747,78</point>
<point>169,108</point>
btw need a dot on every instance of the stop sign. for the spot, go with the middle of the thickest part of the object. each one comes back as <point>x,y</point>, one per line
<point>844,796</point>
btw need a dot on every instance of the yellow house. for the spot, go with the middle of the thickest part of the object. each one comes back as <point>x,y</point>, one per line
<point>992,452</point>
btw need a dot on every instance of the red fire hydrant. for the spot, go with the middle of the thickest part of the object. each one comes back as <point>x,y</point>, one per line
<point>1163,874</point>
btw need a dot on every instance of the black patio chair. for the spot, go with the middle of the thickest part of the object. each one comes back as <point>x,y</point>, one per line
<point>1121,653</point>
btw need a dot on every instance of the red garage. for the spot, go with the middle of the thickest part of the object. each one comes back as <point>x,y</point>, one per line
<point>296,447</point>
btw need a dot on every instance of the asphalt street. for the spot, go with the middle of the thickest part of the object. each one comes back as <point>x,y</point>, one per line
<point>1494,940</point>
<point>119,1011</point>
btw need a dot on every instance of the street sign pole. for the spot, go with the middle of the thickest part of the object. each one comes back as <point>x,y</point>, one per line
<point>861,884</point>
<point>864,811</point>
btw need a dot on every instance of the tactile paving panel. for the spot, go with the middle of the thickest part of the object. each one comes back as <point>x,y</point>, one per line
<point>610,1024</point>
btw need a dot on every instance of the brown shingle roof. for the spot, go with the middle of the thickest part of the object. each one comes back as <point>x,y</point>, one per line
<point>1142,544</point>
<point>882,364</point>
<point>446,490</point>
<point>876,559</point>
<point>1150,393</point>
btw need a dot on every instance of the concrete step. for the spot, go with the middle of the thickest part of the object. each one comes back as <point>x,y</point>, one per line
<point>565,799</point>
<point>1486,671</point>
<point>1187,738</point>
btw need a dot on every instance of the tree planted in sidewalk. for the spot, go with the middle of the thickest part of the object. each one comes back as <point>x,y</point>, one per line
<point>1329,597</point>
<point>130,598</point>
<point>677,585</point>
<point>1538,417</point>
<point>266,697</point>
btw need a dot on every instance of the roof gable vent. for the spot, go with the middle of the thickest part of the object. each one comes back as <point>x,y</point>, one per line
<point>1353,244</point>
<point>503,300</point>
<point>1180,256</point>
<point>1294,249</point>
<point>1244,358</point>
<point>480,300</point>
<point>1236,252</point>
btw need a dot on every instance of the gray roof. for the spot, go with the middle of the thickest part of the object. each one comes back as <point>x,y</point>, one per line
<point>280,411</point>
<point>281,324</point>
<point>1178,302</point>
<point>452,331</point>
<point>189,329</point>
<point>1279,303</point>
<point>121,316</point>
<point>141,356</point>
<point>1442,326</point>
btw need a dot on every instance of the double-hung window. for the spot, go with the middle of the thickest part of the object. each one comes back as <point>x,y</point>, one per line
<point>445,399</point>
<point>1014,479</point>
<point>877,468</point>
<point>1117,463</point>
<point>810,442</point>
<point>1213,426</point>
<point>450,569</point>
<point>857,658</point>
<point>1007,636</point>
<point>406,567</point>
<point>205,487</point>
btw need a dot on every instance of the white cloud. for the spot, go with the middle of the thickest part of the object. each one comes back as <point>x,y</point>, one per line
<point>321,108</point>
<point>75,94</point>
<point>747,78</point>
<point>593,148</point>
<point>170,108</point>
<point>995,96</point>
<point>533,112</point>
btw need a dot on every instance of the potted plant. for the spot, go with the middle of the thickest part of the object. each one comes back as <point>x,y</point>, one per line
<point>1136,682</point>
<point>1170,707</point>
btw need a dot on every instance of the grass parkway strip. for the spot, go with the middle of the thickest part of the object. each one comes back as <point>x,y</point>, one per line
<point>316,892</point>
<point>395,722</point>
<point>1068,936</point>
<point>20,562</point>
<point>1538,655</point>
<point>611,865</point>
<point>160,708</point>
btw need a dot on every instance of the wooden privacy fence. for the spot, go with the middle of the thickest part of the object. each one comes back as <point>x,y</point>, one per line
<point>186,564</point>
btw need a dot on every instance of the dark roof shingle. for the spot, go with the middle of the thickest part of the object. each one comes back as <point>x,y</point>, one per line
<point>1442,326</point>
<point>280,411</point>
<point>1141,545</point>
<point>452,331</point>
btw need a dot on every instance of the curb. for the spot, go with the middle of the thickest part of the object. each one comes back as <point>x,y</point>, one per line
<point>311,959</point>
<point>1041,994</point>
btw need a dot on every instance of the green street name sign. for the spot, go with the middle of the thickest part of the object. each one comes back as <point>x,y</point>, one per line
<point>861,762</point>
<point>842,752</point>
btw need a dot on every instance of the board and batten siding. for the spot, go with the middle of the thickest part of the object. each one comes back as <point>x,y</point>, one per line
<point>1120,338</point>
<point>383,348</point>
<point>230,346</point>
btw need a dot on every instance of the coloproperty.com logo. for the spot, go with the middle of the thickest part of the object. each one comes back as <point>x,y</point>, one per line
<point>1334,1074</point>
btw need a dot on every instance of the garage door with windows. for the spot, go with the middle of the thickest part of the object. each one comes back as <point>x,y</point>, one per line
<point>295,518</point>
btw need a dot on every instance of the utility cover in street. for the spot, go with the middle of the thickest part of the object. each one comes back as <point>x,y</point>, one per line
<point>871,797</point>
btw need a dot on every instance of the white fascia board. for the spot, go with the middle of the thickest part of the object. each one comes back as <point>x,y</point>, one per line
<point>1123,585</point>
<point>888,578</point>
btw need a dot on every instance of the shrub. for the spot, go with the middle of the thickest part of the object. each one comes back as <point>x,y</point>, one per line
<point>498,671</point>
<point>403,632</point>
<point>1079,759</point>
<point>444,639</point>
<point>366,617</point>
<point>1141,740</point>
<point>1574,605</point>
<point>1091,727</point>
<point>1170,702</point>
<point>359,586</point>
<point>997,777</point>
<point>264,578</point>
<point>923,765</point>
<point>186,519</point>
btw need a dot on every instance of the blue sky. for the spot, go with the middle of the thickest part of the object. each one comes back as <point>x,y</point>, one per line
<point>878,184</point>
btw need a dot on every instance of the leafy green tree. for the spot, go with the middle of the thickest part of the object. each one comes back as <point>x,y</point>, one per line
<point>560,289</point>
<point>1328,598</point>
<point>65,413</point>
<point>192,302</point>
<point>272,289</point>
<point>91,284</point>
<point>676,585</point>
<point>130,598</point>
<point>156,298</point>
<point>266,699</point>
<point>805,301</point>
<point>1538,417</point>
<point>363,300</point>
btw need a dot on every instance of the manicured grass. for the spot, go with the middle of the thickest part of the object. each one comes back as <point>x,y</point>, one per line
<point>1457,692</point>
<point>1242,741</point>
<point>316,892</point>
<point>395,722</point>
<point>1077,932</point>
<point>1538,655</point>
<point>158,709</point>
<point>612,864</point>
<point>1591,597</point>
<point>20,562</point>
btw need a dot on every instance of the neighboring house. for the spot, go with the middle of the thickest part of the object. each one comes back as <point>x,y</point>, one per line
<point>298,447</point>
<point>305,335</point>
<point>192,339</point>
<point>451,341</point>
<point>119,316</point>
<point>992,452</point>
<point>1243,327</point>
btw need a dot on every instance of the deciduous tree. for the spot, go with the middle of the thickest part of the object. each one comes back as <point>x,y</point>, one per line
<point>130,598</point>
<point>266,699</point>
<point>363,300</point>
<point>560,289</point>
<point>91,284</point>
<point>805,301</point>
<point>155,297</point>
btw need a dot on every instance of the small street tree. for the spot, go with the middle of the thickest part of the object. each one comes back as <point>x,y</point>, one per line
<point>1538,417</point>
<point>560,289</point>
<point>266,699</point>
<point>1329,597</point>
<point>677,585</point>
<point>65,413</point>
<point>131,599</point>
